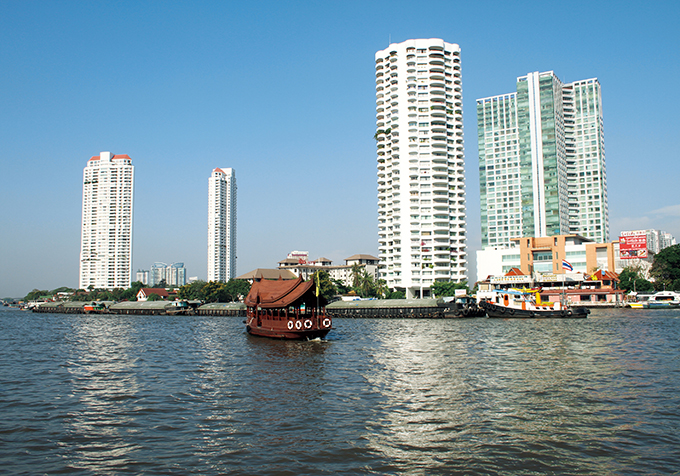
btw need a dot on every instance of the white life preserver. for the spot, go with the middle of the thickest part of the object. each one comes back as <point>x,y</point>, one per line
<point>290,325</point>
<point>308,324</point>
<point>298,325</point>
<point>327,322</point>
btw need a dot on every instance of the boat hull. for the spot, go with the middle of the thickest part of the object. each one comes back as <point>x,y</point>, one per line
<point>289,329</point>
<point>494,310</point>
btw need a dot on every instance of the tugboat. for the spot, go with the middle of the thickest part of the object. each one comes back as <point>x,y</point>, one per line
<point>286,309</point>
<point>507,303</point>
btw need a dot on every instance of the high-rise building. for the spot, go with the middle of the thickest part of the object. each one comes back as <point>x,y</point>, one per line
<point>106,234</point>
<point>222,225</point>
<point>541,161</point>
<point>421,169</point>
<point>173,275</point>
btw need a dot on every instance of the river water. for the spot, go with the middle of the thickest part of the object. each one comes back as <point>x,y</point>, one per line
<point>164,395</point>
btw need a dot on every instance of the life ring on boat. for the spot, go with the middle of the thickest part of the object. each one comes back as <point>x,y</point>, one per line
<point>326,322</point>
<point>308,324</point>
<point>290,325</point>
<point>506,300</point>
<point>298,325</point>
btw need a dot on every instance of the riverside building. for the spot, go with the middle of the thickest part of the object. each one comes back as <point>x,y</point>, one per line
<point>222,225</point>
<point>542,162</point>
<point>421,168</point>
<point>106,232</point>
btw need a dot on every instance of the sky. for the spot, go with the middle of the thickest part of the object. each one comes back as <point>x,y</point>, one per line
<point>284,93</point>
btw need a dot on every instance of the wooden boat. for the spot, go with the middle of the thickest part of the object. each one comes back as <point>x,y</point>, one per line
<point>513,303</point>
<point>286,309</point>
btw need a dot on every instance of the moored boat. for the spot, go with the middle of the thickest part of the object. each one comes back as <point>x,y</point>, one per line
<point>513,303</point>
<point>286,309</point>
<point>95,307</point>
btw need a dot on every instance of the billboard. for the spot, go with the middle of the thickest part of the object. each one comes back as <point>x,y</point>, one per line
<point>633,244</point>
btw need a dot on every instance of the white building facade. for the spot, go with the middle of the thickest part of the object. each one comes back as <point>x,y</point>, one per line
<point>106,231</point>
<point>421,167</point>
<point>222,225</point>
<point>542,161</point>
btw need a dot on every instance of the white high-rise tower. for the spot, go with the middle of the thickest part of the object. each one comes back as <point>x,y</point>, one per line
<point>222,225</point>
<point>106,233</point>
<point>421,168</point>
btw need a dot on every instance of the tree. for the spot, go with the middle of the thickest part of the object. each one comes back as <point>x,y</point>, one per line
<point>630,280</point>
<point>448,288</point>
<point>35,294</point>
<point>666,269</point>
<point>394,294</point>
<point>215,291</point>
<point>327,287</point>
<point>356,275</point>
<point>340,287</point>
<point>236,290</point>
<point>192,291</point>
<point>154,297</point>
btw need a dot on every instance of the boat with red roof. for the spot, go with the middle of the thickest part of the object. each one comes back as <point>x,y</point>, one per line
<point>286,309</point>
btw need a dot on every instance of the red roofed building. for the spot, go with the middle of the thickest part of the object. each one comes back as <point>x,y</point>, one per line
<point>144,293</point>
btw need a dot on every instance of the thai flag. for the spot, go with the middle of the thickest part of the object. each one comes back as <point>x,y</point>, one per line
<point>566,265</point>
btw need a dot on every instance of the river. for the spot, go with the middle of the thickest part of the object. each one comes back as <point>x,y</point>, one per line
<point>157,395</point>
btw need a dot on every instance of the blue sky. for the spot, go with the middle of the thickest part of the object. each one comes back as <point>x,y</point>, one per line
<point>284,92</point>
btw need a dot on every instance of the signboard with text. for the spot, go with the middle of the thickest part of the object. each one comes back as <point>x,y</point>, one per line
<point>633,244</point>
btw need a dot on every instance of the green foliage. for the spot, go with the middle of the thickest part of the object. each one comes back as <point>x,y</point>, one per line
<point>395,295</point>
<point>154,297</point>
<point>36,294</point>
<point>448,288</point>
<point>237,290</point>
<point>192,291</point>
<point>215,291</point>
<point>340,286</point>
<point>327,287</point>
<point>666,269</point>
<point>630,280</point>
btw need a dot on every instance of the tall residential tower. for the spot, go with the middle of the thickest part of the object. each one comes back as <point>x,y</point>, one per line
<point>222,225</point>
<point>541,161</point>
<point>106,233</point>
<point>421,169</point>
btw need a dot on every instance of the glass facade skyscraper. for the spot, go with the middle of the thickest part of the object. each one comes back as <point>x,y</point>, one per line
<point>541,161</point>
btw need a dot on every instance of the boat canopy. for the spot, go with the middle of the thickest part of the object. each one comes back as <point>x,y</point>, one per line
<point>268,294</point>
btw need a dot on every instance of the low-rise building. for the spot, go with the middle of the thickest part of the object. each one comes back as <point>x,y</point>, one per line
<point>144,293</point>
<point>571,265</point>
<point>343,273</point>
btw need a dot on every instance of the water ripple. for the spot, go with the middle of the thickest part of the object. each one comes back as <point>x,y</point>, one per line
<point>196,395</point>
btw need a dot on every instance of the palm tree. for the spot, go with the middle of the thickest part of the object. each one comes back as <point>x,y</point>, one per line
<point>356,273</point>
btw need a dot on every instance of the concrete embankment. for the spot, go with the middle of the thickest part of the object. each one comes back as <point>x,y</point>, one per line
<point>144,308</point>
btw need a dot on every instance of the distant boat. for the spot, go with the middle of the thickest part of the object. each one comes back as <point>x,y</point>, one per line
<point>513,303</point>
<point>659,300</point>
<point>286,309</point>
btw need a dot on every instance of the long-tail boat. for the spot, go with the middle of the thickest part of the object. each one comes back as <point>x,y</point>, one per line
<point>286,309</point>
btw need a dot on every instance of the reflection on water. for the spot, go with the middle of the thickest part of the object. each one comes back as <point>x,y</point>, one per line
<point>179,395</point>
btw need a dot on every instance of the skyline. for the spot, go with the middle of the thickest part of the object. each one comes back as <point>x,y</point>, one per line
<point>289,92</point>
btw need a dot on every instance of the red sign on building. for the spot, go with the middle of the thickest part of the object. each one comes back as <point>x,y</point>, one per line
<point>633,245</point>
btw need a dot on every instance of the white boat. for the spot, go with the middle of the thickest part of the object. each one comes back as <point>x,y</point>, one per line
<point>659,300</point>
